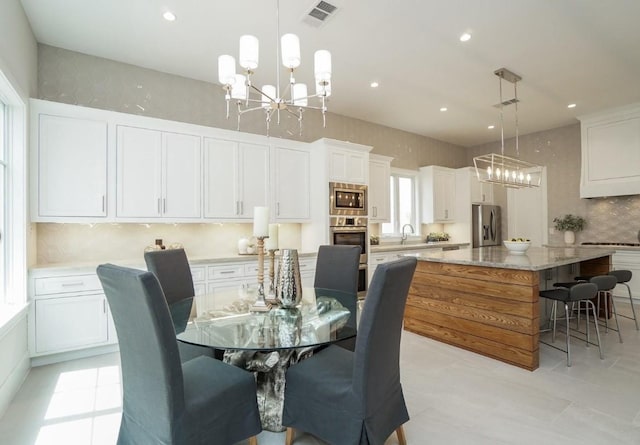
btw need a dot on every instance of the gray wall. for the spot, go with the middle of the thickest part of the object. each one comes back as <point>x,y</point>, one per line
<point>18,62</point>
<point>614,219</point>
<point>74,78</point>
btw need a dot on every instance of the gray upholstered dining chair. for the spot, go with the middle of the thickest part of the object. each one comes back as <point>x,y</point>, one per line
<point>171,267</point>
<point>202,401</point>
<point>345,397</point>
<point>337,268</point>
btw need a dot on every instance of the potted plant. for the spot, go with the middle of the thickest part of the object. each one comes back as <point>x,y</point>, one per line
<point>570,224</point>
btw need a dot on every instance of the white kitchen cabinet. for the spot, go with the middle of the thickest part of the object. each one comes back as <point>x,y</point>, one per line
<point>158,174</point>
<point>236,178</point>
<point>379,188</point>
<point>346,161</point>
<point>71,157</point>
<point>291,184</point>
<point>68,313</point>
<point>611,152</point>
<point>481,192</point>
<point>628,260</point>
<point>438,185</point>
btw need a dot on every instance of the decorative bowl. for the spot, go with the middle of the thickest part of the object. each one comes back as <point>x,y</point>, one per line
<point>517,247</point>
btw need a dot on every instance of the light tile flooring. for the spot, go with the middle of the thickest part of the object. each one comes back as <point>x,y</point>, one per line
<point>453,396</point>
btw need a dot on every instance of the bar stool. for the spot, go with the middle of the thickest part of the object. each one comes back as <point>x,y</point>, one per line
<point>606,284</point>
<point>623,277</point>
<point>577,292</point>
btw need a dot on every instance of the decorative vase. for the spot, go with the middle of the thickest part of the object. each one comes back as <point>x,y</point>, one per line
<point>288,282</point>
<point>569,237</point>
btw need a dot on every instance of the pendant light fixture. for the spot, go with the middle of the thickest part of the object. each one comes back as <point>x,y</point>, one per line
<point>500,169</point>
<point>271,99</point>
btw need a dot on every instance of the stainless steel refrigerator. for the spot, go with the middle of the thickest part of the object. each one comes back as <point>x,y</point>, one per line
<point>486,225</point>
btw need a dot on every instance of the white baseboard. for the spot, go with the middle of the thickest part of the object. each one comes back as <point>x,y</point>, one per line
<point>13,382</point>
<point>72,355</point>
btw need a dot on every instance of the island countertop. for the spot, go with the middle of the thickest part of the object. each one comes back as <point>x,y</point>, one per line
<point>535,259</point>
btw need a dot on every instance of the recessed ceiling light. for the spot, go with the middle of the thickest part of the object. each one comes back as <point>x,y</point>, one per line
<point>465,37</point>
<point>491,127</point>
<point>571,106</point>
<point>443,109</point>
<point>169,16</point>
<point>375,84</point>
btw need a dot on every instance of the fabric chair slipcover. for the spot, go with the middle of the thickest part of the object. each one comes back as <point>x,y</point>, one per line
<point>337,268</point>
<point>171,268</point>
<point>202,401</point>
<point>345,397</point>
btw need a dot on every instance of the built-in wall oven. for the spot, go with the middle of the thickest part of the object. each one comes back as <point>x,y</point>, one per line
<point>352,231</point>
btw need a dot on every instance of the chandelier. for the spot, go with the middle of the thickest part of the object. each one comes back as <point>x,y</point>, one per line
<point>498,168</point>
<point>271,99</point>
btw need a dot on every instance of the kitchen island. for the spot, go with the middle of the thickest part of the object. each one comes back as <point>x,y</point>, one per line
<point>486,299</point>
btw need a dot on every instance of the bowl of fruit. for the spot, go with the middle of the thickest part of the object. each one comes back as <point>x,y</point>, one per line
<point>517,246</point>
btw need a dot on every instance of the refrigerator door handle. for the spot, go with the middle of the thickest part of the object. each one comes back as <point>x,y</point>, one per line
<point>492,225</point>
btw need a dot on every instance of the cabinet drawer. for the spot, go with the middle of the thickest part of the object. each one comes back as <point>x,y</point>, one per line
<point>198,274</point>
<point>225,272</point>
<point>379,259</point>
<point>74,283</point>
<point>251,270</point>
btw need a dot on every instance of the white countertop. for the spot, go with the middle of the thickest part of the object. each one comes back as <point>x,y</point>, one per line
<point>536,258</point>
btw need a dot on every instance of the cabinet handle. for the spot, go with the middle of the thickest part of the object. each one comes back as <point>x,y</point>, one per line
<point>242,207</point>
<point>446,214</point>
<point>226,272</point>
<point>159,209</point>
<point>483,197</point>
<point>278,208</point>
<point>164,205</point>
<point>237,207</point>
<point>103,203</point>
<point>104,306</point>
<point>72,284</point>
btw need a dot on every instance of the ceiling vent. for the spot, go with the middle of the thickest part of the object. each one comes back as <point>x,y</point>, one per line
<point>319,14</point>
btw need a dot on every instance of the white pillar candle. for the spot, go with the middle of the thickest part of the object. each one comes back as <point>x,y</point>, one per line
<point>271,243</point>
<point>261,221</point>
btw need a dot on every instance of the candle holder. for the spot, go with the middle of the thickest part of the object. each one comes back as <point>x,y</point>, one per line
<point>271,296</point>
<point>260,305</point>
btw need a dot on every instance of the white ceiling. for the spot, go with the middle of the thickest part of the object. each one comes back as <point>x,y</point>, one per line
<point>567,51</point>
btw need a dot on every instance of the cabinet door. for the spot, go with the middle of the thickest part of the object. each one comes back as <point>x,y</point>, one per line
<point>444,199</point>
<point>221,195</point>
<point>379,189</point>
<point>139,181</point>
<point>72,167</point>
<point>481,192</point>
<point>292,184</point>
<point>254,178</point>
<point>70,322</point>
<point>348,166</point>
<point>181,176</point>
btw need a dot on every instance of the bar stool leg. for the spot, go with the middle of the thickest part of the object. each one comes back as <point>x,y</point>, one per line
<point>615,314</point>
<point>595,317</point>
<point>554,311</point>
<point>633,310</point>
<point>566,313</point>
<point>587,319</point>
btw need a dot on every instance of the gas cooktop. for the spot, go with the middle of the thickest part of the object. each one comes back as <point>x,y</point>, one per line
<point>612,244</point>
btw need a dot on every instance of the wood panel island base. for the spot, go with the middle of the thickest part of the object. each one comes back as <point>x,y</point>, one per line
<point>486,300</point>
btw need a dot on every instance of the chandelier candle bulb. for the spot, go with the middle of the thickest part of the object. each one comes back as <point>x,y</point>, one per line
<point>249,52</point>
<point>261,221</point>
<point>271,243</point>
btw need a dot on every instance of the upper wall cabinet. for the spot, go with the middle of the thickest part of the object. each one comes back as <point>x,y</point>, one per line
<point>379,189</point>
<point>611,153</point>
<point>69,156</point>
<point>158,174</point>
<point>481,192</point>
<point>347,162</point>
<point>291,184</point>
<point>236,178</point>
<point>438,185</point>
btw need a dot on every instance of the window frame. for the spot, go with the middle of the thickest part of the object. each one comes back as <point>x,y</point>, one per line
<point>394,202</point>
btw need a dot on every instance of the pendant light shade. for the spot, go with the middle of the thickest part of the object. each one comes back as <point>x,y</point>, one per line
<point>322,65</point>
<point>226,70</point>
<point>290,51</point>
<point>239,88</point>
<point>300,95</point>
<point>249,51</point>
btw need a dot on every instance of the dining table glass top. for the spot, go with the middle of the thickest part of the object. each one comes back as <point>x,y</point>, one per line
<point>224,321</point>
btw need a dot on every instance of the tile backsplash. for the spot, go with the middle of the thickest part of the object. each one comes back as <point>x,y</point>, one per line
<point>613,219</point>
<point>72,243</point>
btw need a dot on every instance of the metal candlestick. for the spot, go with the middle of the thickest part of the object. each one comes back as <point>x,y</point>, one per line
<point>260,305</point>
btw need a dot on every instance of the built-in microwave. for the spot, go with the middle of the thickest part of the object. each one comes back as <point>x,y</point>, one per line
<point>347,199</point>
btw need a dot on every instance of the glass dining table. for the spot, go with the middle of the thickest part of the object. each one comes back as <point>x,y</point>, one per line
<point>266,343</point>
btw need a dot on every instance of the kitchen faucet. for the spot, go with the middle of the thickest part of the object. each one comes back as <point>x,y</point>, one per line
<point>404,235</point>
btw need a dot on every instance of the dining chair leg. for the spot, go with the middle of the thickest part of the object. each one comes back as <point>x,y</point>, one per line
<point>253,440</point>
<point>288,440</point>
<point>633,310</point>
<point>400,433</point>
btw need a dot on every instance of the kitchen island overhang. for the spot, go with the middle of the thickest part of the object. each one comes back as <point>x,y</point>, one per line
<point>486,300</point>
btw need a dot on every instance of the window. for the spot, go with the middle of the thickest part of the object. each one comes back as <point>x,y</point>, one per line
<point>13,224</point>
<point>403,198</point>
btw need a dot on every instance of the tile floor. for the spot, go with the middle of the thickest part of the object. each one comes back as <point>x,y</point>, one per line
<point>453,396</point>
